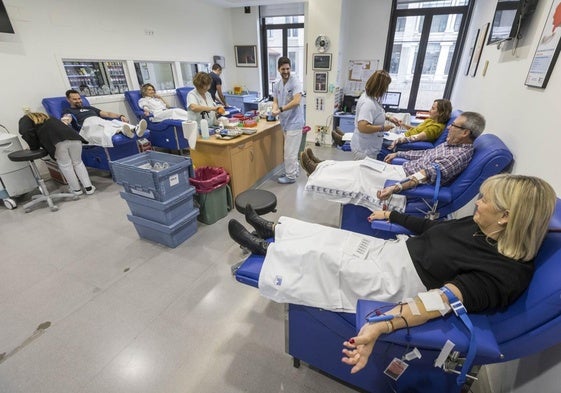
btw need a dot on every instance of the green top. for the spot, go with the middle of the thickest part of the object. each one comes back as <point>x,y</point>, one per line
<point>432,129</point>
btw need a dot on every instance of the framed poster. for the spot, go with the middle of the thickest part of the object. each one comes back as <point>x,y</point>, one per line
<point>478,49</point>
<point>246,55</point>
<point>471,49</point>
<point>547,50</point>
<point>321,61</point>
<point>320,82</point>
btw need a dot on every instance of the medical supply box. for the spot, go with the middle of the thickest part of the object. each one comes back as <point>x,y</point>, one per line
<point>168,235</point>
<point>167,212</point>
<point>154,175</point>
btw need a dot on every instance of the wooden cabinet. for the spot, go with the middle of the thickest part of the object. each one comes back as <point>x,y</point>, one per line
<point>243,165</point>
<point>247,158</point>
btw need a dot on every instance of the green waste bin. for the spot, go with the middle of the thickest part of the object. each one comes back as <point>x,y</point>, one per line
<point>213,195</point>
<point>214,205</point>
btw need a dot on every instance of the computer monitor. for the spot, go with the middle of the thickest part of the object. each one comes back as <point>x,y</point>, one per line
<point>391,98</point>
<point>349,103</point>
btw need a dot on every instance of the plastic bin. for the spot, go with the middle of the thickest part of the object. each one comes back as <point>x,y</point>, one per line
<point>214,197</point>
<point>168,235</point>
<point>209,178</point>
<point>167,212</point>
<point>137,174</point>
<point>214,205</point>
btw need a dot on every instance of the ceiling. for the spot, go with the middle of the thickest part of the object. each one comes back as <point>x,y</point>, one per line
<point>243,3</point>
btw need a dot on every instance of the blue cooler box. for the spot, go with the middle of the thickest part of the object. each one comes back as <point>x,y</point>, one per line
<point>167,212</point>
<point>168,235</point>
<point>154,175</point>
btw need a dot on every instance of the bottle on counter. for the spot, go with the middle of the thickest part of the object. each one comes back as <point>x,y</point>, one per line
<point>204,126</point>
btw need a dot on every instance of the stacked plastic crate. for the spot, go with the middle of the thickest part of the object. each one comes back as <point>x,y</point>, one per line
<point>159,195</point>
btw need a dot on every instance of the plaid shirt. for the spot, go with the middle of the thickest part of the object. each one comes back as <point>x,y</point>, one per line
<point>452,160</point>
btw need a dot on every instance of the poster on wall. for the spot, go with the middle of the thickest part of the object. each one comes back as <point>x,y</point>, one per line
<point>547,50</point>
<point>471,49</point>
<point>480,41</point>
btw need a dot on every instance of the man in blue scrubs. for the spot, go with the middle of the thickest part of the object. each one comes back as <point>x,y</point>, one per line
<point>287,94</point>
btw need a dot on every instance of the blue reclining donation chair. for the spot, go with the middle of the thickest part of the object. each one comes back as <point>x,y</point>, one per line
<point>491,156</point>
<point>167,134</point>
<point>96,156</point>
<point>529,325</point>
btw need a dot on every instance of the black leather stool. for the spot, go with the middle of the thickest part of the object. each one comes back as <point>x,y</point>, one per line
<point>262,201</point>
<point>31,155</point>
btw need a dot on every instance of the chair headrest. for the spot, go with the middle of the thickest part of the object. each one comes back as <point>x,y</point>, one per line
<point>132,97</point>
<point>555,222</point>
<point>182,94</point>
<point>56,105</point>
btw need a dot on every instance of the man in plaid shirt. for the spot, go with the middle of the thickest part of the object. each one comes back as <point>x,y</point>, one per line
<point>356,182</point>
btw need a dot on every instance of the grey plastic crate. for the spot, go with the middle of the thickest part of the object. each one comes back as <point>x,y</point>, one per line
<point>169,235</point>
<point>138,176</point>
<point>166,212</point>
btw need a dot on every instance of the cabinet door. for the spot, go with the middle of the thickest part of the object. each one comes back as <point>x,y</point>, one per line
<point>243,167</point>
<point>269,151</point>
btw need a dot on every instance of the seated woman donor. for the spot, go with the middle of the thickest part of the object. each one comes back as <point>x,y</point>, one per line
<point>63,145</point>
<point>485,260</point>
<point>153,104</point>
<point>358,183</point>
<point>200,102</point>
<point>431,128</point>
<point>370,118</point>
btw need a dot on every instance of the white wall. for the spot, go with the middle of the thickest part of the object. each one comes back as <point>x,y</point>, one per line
<point>246,32</point>
<point>46,31</point>
<point>525,118</point>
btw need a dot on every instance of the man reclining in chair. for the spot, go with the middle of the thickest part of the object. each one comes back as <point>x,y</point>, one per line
<point>362,182</point>
<point>485,260</point>
<point>93,128</point>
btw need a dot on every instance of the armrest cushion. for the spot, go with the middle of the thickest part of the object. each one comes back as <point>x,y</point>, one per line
<point>421,145</point>
<point>385,226</point>
<point>433,334</point>
<point>425,191</point>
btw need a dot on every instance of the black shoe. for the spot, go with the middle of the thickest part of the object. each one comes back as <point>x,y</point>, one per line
<point>244,238</point>
<point>265,228</point>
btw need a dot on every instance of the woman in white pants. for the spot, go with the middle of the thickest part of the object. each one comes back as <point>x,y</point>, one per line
<point>62,143</point>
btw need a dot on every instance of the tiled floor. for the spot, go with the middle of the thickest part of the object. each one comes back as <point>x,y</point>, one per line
<point>129,315</point>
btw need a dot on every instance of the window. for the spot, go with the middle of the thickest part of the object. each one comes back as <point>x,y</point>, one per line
<point>281,36</point>
<point>424,46</point>
<point>157,73</point>
<point>96,77</point>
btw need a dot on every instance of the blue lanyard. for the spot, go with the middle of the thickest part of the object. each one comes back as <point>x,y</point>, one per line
<point>436,185</point>
<point>461,313</point>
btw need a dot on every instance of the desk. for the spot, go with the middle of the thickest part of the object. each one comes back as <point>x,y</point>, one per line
<point>345,121</point>
<point>244,102</point>
<point>247,158</point>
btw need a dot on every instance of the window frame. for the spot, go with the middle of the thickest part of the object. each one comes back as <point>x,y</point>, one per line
<point>428,14</point>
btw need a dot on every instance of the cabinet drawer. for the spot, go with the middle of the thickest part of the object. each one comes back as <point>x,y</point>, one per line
<point>347,125</point>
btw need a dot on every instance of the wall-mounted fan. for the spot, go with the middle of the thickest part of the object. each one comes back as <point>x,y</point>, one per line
<point>322,43</point>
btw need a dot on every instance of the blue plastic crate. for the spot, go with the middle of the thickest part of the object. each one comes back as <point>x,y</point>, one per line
<point>167,212</point>
<point>168,235</point>
<point>137,174</point>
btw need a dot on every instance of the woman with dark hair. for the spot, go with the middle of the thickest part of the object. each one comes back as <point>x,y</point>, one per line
<point>431,128</point>
<point>370,118</point>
